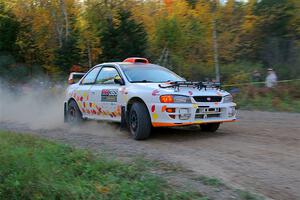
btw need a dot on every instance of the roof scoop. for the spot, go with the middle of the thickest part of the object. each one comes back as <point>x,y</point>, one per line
<point>136,60</point>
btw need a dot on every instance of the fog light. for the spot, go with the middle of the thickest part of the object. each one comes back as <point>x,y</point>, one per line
<point>231,111</point>
<point>184,114</point>
<point>172,116</point>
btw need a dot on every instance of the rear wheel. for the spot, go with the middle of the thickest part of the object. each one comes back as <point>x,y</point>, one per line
<point>139,121</point>
<point>211,127</point>
<point>74,115</point>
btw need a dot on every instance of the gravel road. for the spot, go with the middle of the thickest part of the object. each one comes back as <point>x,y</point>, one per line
<point>260,152</point>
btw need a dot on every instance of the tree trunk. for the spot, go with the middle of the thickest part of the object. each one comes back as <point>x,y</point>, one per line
<point>90,56</point>
<point>65,15</point>
<point>216,50</point>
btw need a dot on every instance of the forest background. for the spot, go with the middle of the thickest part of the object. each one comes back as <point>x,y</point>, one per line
<point>51,38</point>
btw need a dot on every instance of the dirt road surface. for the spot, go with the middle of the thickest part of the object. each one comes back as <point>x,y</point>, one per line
<point>260,152</point>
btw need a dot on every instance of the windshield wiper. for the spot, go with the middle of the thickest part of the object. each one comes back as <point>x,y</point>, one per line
<point>142,81</point>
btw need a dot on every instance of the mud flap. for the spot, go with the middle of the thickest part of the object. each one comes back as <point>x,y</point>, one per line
<point>65,113</point>
<point>123,118</point>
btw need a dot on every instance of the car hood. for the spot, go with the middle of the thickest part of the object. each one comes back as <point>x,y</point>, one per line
<point>184,90</point>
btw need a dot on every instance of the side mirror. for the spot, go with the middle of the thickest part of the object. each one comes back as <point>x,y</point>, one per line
<point>119,80</point>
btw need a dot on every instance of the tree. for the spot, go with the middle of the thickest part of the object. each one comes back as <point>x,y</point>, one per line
<point>123,39</point>
<point>276,44</point>
<point>9,28</point>
<point>67,55</point>
<point>89,42</point>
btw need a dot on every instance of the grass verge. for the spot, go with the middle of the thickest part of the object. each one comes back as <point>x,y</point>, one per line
<point>33,168</point>
<point>211,181</point>
<point>284,98</point>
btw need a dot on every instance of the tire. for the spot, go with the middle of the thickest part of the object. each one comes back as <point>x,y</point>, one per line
<point>139,121</point>
<point>212,127</point>
<point>74,115</point>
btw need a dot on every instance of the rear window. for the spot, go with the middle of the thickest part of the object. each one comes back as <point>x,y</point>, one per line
<point>77,77</point>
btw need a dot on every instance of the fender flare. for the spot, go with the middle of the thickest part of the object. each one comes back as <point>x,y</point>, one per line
<point>126,108</point>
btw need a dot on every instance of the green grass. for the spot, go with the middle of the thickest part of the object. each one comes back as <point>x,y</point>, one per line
<point>215,182</point>
<point>269,103</point>
<point>211,181</point>
<point>282,98</point>
<point>245,195</point>
<point>33,168</point>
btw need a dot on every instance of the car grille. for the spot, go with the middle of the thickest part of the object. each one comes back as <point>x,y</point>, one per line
<point>208,98</point>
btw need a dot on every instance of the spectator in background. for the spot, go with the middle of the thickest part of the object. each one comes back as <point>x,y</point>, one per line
<point>256,76</point>
<point>271,79</point>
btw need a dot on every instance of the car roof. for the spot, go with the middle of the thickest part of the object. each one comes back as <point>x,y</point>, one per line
<point>124,65</point>
<point>138,65</point>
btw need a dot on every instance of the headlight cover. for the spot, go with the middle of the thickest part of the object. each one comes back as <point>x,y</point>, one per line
<point>228,99</point>
<point>175,99</point>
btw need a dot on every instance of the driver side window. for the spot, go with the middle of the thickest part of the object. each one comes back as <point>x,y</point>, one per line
<point>91,76</point>
<point>107,75</point>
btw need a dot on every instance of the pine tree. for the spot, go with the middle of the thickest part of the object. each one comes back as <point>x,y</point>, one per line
<point>67,55</point>
<point>125,39</point>
<point>8,30</point>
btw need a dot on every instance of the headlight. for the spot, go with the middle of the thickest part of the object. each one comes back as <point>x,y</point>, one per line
<point>228,99</point>
<point>175,99</point>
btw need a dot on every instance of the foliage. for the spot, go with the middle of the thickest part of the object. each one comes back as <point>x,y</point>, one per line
<point>8,29</point>
<point>245,195</point>
<point>123,39</point>
<point>210,181</point>
<point>67,55</point>
<point>285,97</point>
<point>32,168</point>
<point>57,34</point>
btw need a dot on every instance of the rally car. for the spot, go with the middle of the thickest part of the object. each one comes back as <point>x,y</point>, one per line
<point>142,96</point>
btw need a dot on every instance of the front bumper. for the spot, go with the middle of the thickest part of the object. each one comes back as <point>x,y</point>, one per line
<point>169,115</point>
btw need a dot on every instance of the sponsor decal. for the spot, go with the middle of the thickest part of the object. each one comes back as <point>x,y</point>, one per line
<point>109,95</point>
<point>155,116</point>
<point>153,108</point>
<point>164,108</point>
<point>155,92</point>
<point>123,90</point>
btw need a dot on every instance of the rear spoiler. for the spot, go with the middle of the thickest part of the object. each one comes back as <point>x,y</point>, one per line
<point>198,84</point>
<point>74,77</point>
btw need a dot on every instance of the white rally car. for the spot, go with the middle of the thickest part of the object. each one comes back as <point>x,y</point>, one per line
<point>141,96</point>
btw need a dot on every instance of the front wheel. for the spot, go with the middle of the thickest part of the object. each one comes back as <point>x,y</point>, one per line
<point>139,121</point>
<point>211,127</point>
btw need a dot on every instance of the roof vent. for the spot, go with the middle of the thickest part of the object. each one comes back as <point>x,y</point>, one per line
<point>136,60</point>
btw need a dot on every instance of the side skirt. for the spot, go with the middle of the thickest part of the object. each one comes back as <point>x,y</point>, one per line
<point>123,118</point>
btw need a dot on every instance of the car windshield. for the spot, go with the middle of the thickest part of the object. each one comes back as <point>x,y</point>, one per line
<point>149,73</point>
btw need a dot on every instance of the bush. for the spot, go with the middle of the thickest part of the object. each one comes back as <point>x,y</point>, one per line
<point>285,97</point>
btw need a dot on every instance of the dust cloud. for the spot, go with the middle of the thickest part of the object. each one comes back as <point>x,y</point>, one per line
<point>33,104</point>
<point>39,106</point>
